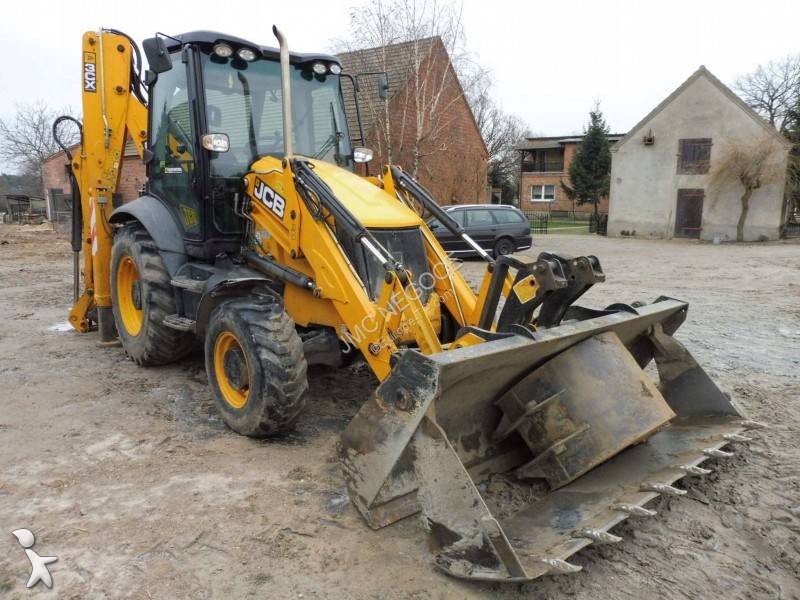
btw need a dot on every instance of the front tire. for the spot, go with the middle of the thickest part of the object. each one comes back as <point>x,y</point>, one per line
<point>141,297</point>
<point>256,366</point>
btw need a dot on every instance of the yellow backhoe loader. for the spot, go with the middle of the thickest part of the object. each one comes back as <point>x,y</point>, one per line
<point>257,237</point>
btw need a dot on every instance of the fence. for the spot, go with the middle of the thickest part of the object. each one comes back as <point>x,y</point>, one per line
<point>539,221</point>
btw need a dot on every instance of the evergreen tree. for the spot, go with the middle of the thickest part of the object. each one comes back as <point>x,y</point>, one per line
<point>590,169</point>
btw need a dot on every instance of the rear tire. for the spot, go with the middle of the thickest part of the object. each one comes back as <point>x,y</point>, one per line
<point>141,297</point>
<point>502,247</point>
<point>255,365</point>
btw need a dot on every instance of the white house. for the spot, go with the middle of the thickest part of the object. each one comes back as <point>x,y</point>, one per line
<point>663,178</point>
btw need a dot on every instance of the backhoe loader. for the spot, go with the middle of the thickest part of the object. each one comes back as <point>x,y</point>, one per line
<point>257,236</point>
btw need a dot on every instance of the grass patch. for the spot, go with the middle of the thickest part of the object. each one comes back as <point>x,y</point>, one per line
<point>560,226</point>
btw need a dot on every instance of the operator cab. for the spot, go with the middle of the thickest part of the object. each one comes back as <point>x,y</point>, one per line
<point>204,83</point>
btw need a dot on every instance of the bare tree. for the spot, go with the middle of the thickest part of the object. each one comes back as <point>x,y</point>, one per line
<point>502,134</point>
<point>750,166</point>
<point>772,89</point>
<point>28,139</point>
<point>437,73</point>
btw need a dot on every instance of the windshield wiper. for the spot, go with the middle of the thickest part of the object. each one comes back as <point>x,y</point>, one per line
<point>333,139</point>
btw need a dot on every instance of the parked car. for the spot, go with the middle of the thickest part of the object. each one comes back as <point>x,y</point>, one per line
<point>497,228</point>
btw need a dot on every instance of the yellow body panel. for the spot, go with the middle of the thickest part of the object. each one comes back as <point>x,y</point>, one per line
<point>372,206</point>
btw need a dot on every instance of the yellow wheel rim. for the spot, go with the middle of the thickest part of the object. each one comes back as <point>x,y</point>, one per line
<point>127,291</point>
<point>231,369</point>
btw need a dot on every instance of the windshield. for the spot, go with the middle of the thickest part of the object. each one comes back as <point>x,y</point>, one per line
<point>243,99</point>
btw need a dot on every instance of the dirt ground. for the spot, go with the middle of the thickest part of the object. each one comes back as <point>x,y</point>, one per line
<point>129,476</point>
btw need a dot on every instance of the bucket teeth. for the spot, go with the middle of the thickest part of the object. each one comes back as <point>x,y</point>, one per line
<point>556,565</point>
<point>635,511</point>
<point>735,437</point>
<point>599,536</point>
<point>694,470</point>
<point>663,488</point>
<point>717,453</point>
<point>754,425</point>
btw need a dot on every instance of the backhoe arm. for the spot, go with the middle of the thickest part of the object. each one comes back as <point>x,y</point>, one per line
<point>113,109</point>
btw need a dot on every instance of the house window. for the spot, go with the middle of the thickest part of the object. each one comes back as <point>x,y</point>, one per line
<point>694,156</point>
<point>543,193</point>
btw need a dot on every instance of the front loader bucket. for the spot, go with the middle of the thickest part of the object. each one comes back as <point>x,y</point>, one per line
<point>570,406</point>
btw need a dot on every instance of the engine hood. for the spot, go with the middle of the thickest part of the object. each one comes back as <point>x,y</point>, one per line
<point>373,207</point>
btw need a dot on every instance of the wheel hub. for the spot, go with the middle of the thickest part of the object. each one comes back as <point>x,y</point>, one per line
<point>235,368</point>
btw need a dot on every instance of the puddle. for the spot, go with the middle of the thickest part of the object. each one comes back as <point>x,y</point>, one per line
<point>60,327</point>
<point>199,418</point>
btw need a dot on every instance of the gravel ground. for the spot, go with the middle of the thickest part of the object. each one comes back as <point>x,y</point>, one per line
<point>131,479</point>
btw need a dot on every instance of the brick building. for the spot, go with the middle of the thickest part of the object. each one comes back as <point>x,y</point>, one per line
<point>425,124</point>
<point>545,164</point>
<point>132,174</point>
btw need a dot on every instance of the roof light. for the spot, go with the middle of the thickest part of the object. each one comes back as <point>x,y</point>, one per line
<point>335,69</point>
<point>319,68</point>
<point>223,50</point>
<point>247,54</point>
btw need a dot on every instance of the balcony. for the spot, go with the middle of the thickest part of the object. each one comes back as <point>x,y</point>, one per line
<point>555,166</point>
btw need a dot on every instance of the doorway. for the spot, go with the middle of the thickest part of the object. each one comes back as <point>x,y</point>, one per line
<point>689,213</point>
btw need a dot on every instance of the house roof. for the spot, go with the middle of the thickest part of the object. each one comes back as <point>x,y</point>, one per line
<point>726,91</point>
<point>545,143</point>
<point>398,62</point>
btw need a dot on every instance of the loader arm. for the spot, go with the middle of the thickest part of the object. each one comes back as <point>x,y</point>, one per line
<point>113,111</point>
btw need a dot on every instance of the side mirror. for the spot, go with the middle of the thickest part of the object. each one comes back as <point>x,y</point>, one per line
<point>155,49</point>
<point>362,155</point>
<point>383,86</point>
<point>216,142</point>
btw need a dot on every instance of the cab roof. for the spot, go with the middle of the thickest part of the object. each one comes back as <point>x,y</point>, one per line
<point>212,37</point>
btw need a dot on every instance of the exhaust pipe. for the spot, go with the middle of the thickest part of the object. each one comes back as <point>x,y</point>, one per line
<point>286,94</point>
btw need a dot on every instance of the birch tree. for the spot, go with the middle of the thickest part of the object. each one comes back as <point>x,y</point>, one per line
<point>437,70</point>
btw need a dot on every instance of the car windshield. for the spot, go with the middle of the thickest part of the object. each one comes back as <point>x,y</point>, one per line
<point>243,100</point>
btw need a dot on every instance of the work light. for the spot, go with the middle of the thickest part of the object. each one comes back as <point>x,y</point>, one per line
<point>223,50</point>
<point>247,54</point>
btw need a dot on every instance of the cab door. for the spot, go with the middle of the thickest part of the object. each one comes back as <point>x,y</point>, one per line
<point>172,166</point>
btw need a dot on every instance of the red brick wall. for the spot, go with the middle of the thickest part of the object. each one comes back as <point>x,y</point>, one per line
<point>452,162</point>
<point>132,176</point>
<point>561,202</point>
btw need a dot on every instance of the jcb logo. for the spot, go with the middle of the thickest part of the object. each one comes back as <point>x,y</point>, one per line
<point>89,72</point>
<point>271,199</point>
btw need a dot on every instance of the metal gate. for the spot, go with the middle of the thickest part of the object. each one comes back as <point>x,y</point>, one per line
<point>689,213</point>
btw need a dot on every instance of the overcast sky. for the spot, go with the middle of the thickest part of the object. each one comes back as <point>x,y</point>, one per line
<point>551,60</point>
